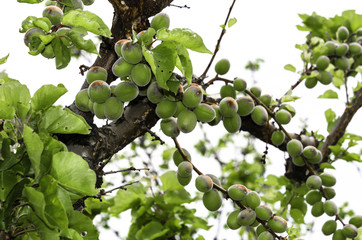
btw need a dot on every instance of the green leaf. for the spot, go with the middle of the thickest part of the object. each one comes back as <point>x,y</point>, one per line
<point>134,196</point>
<point>351,157</point>
<point>34,147</point>
<point>43,23</point>
<point>185,36</point>
<point>59,120</point>
<point>330,115</point>
<point>46,39</point>
<point>329,94</point>
<point>73,173</point>
<point>7,112</point>
<point>290,67</point>
<point>44,231</point>
<point>8,180</point>
<point>76,34</point>
<point>185,62</point>
<point>3,59</point>
<point>30,1</point>
<point>170,182</point>
<point>289,98</point>
<point>27,24</point>
<point>13,92</point>
<point>90,21</point>
<point>46,96</point>
<point>326,165</point>
<point>297,215</point>
<point>151,230</point>
<point>62,53</point>
<point>179,196</point>
<point>82,223</point>
<point>231,22</point>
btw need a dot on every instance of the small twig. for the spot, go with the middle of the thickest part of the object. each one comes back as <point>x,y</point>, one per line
<point>103,192</point>
<point>127,170</point>
<point>184,6</point>
<point>104,163</point>
<point>216,78</point>
<point>156,137</point>
<point>83,68</point>
<point>286,206</point>
<point>346,89</point>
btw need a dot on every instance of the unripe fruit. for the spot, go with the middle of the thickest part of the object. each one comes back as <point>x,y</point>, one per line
<point>338,235</point>
<point>232,124</point>
<point>82,100</point>
<point>266,236</point>
<point>62,34</point>
<point>54,14</point>
<point>88,2</point>
<point>239,84</point>
<point>227,91</point>
<point>317,209</point>
<point>260,229</point>
<point>177,157</point>
<point>161,20</point>
<point>259,115</point>
<point>330,48</point>
<point>342,49</point>
<point>263,212</point>
<point>311,82</point>
<point>350,231</point>
<point>118,46</point>
<point>329,227</point>
<point>328,179</point>
<point>310,152</point>
<point>192,96</point>
<point>355,48</point>
<point>342,33</point>
<point>342,63</point>
<point>277,137</point>
<point>96,73</point>
<point>154,93</point>
<point>325,77</point>
<point>214,179</point>
<point>113,108</point>
<point>169,127</point>
<point>237,192</point>
<point>145,37</point>
<point>246,217</point>
<point>232,221</point>
<point>203,183</point>
<point>91,105</point>
<point>212,200</point>
<point>228,107</point>
<point>99,91</point>
<point>330,208</point>
<point>121,68</point>
<point>141,74</point>
<point>218,116</point>
<point>166,108</point>
<point>180,108</point>
<point>266,99</point>
<point>126,91</point>
<point>294,148</point>
<point>98,109</point>
<point>184,180</point>
<point>330,192</point>
<point>356,221</point>
<point>184,169</point>
<point>205,113</point>
<point>289,108</point>
<point>253,199</point>
<point>298,161</point>
<point>322,62</point>
<point>283,116</point>
<point>131,52</point>
<point>256,91</point>
<point>31,37</point>
<point>186,121</point>
<point>317,158</point>
<point>314,182</point>
<point>48,52</point>
<point>245,106</point>
<point>222,66</point>
<point>313,197</point>
<point>277,224</point>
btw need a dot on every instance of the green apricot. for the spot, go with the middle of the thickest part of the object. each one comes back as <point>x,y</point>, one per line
<point>169,127</point>
<point>212,200</point>
<point>131,52</point>
<point>266,99</point>
<point>342,63</point>
<point>88,2</point>
<point>294,148</point>
<point>166,108</point>
<point>330,208</point>
<point>311,82</point>
<point>330,192</point>
<point>121,68</point>
<point>256,91</point>
<point>90,104</point>
<point>317,209</point>
<point>118,46</point>
<point>184,181</point>
<point>313,197</point>
<point>62,34</point>
<point>356,221</point>
<point>342,33</point>
<point>204,112</point>
<point>203,183</point>
<point>277,137</point>
<point>314,182</point>
<point>126,91</point>
<point>283,116</point>
<point>298,161</point>
<point>266,236</point>
<point>98,109</point>
<point>239,84</point>
<point>350,231</point>
<point>113,108</point>
<point>329,227</point>
<point>355,48</point>
<point>96,73</point>
<point>322,63</point>
<point>310,152</point>
<point>141,74</point>
<point>245,106</point>
<point>330,48</point>
<point>48,51</point>
<point>246,217</point>
<point>222,66</point>
<point>76,4</point>
<point>215,179</point>
<point>232,124</point>
<point>227,91</point>
<point>259,115</point>
<point>328,179</point>
<point>180,108</point>
<point>260,229</point>
<point>54,14</point>
<point>263,212</point>
<point>177,157</point>
<point>192,96</point>
<point>299,203</point>
<point>186,121</point>
<point>338,235</point>
<point>316,159</point>
<point>289,108</point>
<point>342,49</point>
<point>184,169</point>
<point>237,192</point>
<point>277,224</point>
<point>161,20</point>
<point>154,93</point>
<point>99,91</point>
<point>218,116</point>
<point>232,220</point>
<point>82,100</point>
<point>31,37</point>
<point>145,37</point>
<point>252,199</point>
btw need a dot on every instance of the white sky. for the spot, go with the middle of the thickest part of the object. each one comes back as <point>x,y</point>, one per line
<point>265,29</point>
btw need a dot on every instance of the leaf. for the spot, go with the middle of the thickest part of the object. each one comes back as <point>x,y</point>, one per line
<point>62,53</point>
<point>43,23</point>
<point>326,165</point>
<point>289,98</point>
<point>44,231</point>
<point>64,121</point>
<point>46,96</point>
<point>83,224</point>
<point>13,92</point>
<point>329,94</point>
<point>179,196</point>
<point>186,37</point>
<point>7,112</point>
<point>170,182</point>
<point>134,196</point>
<point>76,34</point>
<point>30,1</point>
<point>151,230</point>
<point>90,21</point>
<point>231,22</point>
<point>8,180</point>
<point>186,65</point>
<point>290,67</point>
<point>34,147</point>
<point>3,59</point>
<point>73,173</point>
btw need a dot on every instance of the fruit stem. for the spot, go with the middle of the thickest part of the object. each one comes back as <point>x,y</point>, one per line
<point>216,78</point>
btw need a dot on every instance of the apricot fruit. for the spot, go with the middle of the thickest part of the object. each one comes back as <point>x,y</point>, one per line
<point>88,2</point>
<point>212,200</point>
<point>203,183</point>
<point>342,63</point>
<point>256,91</point>
<point>184,169</point>
<point>227,91</point>
<point>169,127</point>
<point>186,121</point>
<point>252,199</point>
<point>228,107</point>
<point>99,91</point>
<point>131,52</point>
<point>204,112</point>
<point>62,34</point>
<point>329,227</point>
<point>355,48</point>
<point>218,116</point>
<point>310,152</point>
<point>317,209</point>
<point>350,231</point>
<point>328,179</point>
<point>322,62</point>
<point>266,236</point>
<point>180,108</point>
<point>237,192</point>
<point>277,137</point>
<point>177,157</point>
<point>298,161</point>
<point>159,21</point>
<point>239,84</point>
<point>31,37</point>
<point>192,96</point>
<point>311,82</point>
<point>330,48</point>
<point>54,14</point>
<point>222,66</point>
<point>141,74</point>
<point>126,91</point>
<point>232,124</point>
<point>98,109</point>
<point>266,99</point>
<point>263,212</point>
<point>330,208</point>
<point>283,116</point>
<point>113,108</point>
<point>118,46</point>
<point>96,73</point>
<point>294,148</point>
<point>356,221</point>
<point>313,197</point>
<point>245,106</point>
<point>232,220</point>
<point>314,182</point>
<point>154,93</point>
<point>330,192</point>
<point>82,100</point>
<point>277,224</point>
<point>215,179</point>
<point>342,33</point>
<point>246,217</point>
<point>259,115</point>
<point>342,49</point>
<point>316,159</point>
<point>338,235</point>
<point>121,68</point>
<point>166,108</point>
<point>184,181</point>
<point>48,51</point>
